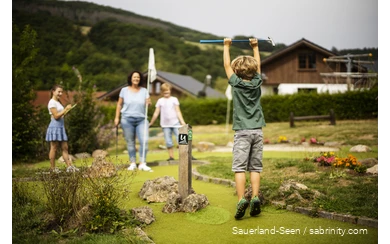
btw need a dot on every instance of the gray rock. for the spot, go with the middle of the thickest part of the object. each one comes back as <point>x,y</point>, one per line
<point>360,148</point>
<point>143,214</point>
<point>165,189</point>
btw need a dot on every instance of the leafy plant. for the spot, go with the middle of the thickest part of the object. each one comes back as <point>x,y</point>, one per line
<point>361,169</point>
<point>64,195</point>
<point>105,194</point>
<point>84,123</point>
<point>337,174</point>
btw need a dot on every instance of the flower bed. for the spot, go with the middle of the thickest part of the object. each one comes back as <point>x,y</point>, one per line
<point>330,159</point>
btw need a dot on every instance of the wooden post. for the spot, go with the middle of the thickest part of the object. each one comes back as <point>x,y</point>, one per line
<point>185,160</point>
<point>332,118</point>
<point>291,119</point>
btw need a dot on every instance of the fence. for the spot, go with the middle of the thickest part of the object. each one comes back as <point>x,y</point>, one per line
<point>330,117</point>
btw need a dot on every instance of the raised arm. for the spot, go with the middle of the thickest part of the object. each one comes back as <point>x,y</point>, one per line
<point>226,57</point>
<point>256,53</point>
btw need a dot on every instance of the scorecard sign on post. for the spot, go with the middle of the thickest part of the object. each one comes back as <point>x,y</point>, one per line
<point>183,139</point>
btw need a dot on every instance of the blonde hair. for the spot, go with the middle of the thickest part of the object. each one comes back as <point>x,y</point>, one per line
<point>166,87</point>
<point>245,67</point>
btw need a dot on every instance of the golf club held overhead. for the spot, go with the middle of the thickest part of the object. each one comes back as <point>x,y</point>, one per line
<point>270,40</point>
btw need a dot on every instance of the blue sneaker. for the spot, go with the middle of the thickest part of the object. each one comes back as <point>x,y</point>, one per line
<point>242,205</point>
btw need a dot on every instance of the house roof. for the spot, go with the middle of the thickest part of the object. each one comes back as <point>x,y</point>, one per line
<point>183,83</point>
<point>189,84</point>
<point>303,42</point>
<point>43,97</point>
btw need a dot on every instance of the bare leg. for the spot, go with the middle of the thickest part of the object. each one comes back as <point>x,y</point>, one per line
<point>52,154</point>
<point>65,154</point>
<point>170,152</point>
<point>240,184</point>
<point>255,183</point>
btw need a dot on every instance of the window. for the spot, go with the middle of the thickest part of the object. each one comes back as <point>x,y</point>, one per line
<point>157,88</point>
<point>307,60</point>
<point>311,60</point>
<point>307,90</point>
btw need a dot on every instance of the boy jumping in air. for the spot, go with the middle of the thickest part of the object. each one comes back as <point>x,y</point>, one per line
<point>244,76</point>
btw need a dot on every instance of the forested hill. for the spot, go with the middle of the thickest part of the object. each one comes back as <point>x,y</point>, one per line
<point>105,44</point>
<point>89,14</point>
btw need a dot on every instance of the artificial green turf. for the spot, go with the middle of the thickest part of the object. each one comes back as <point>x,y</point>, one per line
<point>216,224</point>
<point>210,215</point>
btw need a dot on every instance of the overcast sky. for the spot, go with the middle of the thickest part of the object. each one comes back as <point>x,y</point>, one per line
<point>344,24</point>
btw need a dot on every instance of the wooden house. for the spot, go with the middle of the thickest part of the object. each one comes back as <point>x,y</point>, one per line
<point>301,67</point>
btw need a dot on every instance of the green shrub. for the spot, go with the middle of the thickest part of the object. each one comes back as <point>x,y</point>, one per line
<point>26,211</point>
<point>64,195</point>
<point>105,194</point>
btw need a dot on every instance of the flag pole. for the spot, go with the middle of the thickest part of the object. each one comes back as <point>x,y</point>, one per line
<point>229,97</point>
<point>152,75</point>
<point>227,116</point>
<point>146,118</point>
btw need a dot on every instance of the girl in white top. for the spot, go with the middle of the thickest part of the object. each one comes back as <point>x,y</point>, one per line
<point>56,133</point>
<point>171,117</point>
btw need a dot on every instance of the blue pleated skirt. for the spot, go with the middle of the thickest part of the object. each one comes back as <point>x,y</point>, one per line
<point>56,130</point>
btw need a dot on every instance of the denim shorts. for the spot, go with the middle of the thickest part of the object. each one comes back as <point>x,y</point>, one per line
<point>248,151</point>
<point>168,132</point>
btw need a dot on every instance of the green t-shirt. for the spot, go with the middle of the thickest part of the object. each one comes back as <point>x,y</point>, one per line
<point>247,110</point>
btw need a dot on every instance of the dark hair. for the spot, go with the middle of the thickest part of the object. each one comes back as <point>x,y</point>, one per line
<point>141,81</point>
<point>53,90</point>
<point>56,86</point>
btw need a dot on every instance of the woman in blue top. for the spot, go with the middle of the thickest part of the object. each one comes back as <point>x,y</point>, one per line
<point>131,105</point>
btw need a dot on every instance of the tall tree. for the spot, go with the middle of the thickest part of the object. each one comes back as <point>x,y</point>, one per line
<point>25,136</point>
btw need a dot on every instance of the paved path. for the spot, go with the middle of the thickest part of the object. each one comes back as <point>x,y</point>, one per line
<point>285,147</point>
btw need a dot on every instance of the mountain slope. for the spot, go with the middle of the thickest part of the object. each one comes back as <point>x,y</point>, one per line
<point>85,13</point>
